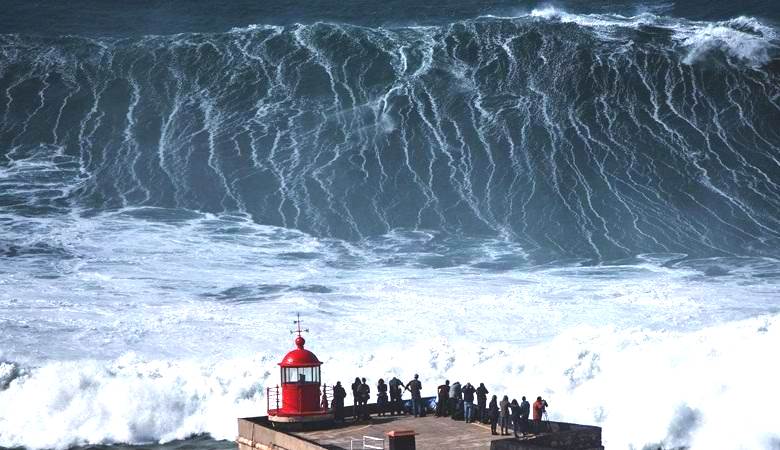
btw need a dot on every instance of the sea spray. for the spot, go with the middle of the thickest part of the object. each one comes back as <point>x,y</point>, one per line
<point>641,386</point>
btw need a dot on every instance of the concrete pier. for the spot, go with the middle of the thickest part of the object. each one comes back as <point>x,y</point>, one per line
<point>432,433</point>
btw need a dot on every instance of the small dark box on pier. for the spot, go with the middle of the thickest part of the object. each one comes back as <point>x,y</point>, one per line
<point>401,440</point>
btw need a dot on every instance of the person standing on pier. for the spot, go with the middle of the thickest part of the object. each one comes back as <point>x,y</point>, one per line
<point>364,392</point>
<point>468,402</point>
<point>356,398</point>
<point>442,395</point>
<point>525,411</point>
<point>339,394</point>
<point>381,397</point>
<point>415,387</point>
<point>395,396</point>
<point>493,414</point>
<point>540,407</point>
<point>515,407</point>
<point>504,409</point>
<point>482,393</point>
<point>455,395</point>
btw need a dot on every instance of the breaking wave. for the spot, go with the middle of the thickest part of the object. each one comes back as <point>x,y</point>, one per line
<point>645,388</point>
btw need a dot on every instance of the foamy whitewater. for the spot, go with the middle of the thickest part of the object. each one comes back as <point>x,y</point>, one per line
<point>579,206</point>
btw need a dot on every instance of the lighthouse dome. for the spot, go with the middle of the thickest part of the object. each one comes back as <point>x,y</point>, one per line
<point>300,357</point>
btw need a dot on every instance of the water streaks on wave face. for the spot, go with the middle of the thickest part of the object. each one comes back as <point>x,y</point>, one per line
<point>552,130</point>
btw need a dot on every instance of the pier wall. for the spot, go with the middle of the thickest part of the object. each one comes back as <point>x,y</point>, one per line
<point>562,435</point>
<point>255,433</point>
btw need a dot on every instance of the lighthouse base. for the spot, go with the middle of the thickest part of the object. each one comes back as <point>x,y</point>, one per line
<point>302,422</point>
<point>302,418</point>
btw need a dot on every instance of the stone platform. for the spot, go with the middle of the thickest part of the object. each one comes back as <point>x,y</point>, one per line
<point>432,433</point>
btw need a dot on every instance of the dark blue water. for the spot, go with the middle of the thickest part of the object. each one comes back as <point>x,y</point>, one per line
<point>142,17</point>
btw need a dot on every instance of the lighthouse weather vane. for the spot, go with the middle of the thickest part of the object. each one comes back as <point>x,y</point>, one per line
<point>298,325</point>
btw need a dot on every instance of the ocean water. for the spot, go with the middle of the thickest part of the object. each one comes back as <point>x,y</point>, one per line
<point>579,200</point>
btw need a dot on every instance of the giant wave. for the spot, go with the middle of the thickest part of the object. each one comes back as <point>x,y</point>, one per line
<point>591,136</point>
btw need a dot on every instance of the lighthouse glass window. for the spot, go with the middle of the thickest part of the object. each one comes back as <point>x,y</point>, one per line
<point>301,375</point>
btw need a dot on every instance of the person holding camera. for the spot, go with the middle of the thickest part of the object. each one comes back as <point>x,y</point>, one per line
<point>468,401</point>
<point>540,408</point>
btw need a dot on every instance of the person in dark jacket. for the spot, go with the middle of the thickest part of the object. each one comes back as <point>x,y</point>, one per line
<point>525,411</point>
<point>356,398</point>
<point>381,397</point>
<point>504,415</point>
<point>442,395</point>
<point>414,386</point>
<point>364,393</point>
<point>339,394</point>
<point>515,407</point>
<point>493,414</point>
<point>482,393</point>
<point>395,396</point>
<point>468,402</point>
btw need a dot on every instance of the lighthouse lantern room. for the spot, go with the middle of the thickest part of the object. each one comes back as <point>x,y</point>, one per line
<point>300,399</point>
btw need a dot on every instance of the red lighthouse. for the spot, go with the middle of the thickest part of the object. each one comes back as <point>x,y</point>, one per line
<point>300,399</point>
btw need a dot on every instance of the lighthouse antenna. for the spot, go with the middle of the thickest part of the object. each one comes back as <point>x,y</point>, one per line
<point>298,323</point>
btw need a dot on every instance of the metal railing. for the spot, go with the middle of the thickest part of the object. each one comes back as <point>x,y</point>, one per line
<point>328,391</point>
<point>273,398</point>
<point>367,442</point>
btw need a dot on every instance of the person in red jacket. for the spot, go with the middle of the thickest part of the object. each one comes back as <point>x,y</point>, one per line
<point>540,407</point>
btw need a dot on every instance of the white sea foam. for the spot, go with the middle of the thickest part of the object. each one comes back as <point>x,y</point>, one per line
<point>127,400</point>
<point>643,387</point>
<point>744,38</point>
<point>154,327</point>
<point>593,20</point>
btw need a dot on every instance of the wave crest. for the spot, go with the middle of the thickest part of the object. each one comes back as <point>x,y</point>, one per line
<point>744,38</point>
